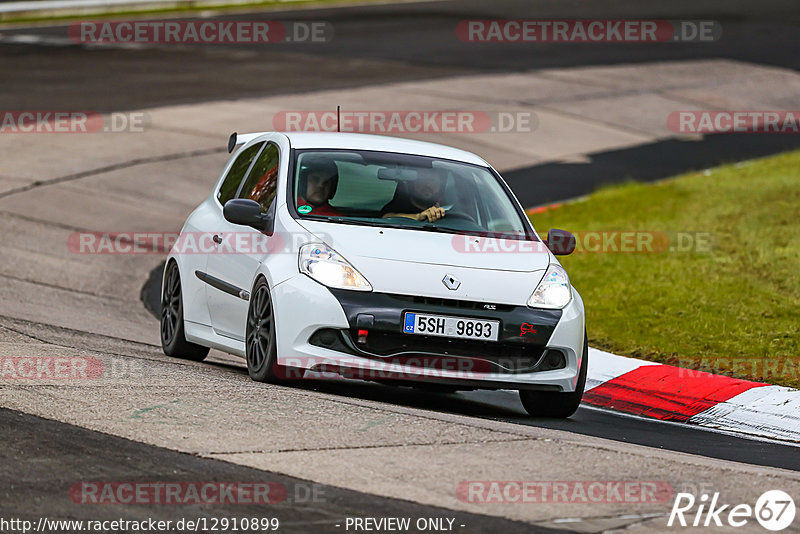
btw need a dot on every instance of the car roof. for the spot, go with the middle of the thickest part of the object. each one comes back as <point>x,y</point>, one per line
<point>354,141</point>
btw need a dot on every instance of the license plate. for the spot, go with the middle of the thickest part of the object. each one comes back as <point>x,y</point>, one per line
<point>456,327</point>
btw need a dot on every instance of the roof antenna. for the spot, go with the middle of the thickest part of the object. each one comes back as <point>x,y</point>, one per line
<point>338,129</point>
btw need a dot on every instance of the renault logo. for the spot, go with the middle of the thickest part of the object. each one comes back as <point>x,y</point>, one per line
<point>451,282</point>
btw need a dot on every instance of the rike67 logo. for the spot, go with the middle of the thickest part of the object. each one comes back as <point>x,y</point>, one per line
<point>774,510</point>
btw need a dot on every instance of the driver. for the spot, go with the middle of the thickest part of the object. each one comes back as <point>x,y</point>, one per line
<point>317,185</point>
<point>421,200</point>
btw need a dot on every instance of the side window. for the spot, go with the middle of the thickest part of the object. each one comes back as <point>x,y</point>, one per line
<point>231,183</point>
<point>261,183</point>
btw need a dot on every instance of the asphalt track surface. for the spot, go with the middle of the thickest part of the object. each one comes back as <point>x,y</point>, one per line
<point>404,42</point>
<point>387,43</point>
<point>100,456</point>
<point>373,44</point>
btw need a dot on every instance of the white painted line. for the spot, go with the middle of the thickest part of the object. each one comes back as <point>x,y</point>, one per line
<point>762,412</point>
<point>704,428</point>
<point>604,366</point>
<point>46,40</point>
<point>772,411</point>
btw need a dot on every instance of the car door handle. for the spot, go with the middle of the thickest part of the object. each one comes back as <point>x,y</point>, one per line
<point>217,239</point>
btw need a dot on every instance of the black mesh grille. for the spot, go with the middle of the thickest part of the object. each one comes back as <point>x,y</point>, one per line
<point>434,352</point>
<point>453,303</point>
<point>387,343</point>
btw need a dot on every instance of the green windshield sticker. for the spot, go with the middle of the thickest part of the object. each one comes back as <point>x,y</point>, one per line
<point>304,209</point>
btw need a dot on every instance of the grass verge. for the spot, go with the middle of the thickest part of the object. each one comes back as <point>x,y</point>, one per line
<point>730,305</point>
<point>220,8</point>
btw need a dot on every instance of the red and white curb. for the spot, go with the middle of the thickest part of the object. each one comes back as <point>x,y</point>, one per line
<point>671,393</point>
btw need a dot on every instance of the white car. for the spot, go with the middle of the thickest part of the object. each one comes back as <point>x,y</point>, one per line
<point>375,258</point>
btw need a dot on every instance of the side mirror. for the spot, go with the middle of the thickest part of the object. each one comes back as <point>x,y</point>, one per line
<point>246,212</point>
<point>560,242</point>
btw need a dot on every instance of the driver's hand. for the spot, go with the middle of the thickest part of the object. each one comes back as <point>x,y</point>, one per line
<point>433,214</point>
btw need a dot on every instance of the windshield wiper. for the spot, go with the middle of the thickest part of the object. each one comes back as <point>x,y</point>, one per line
<point>430,227</point>
<point>359,221</point>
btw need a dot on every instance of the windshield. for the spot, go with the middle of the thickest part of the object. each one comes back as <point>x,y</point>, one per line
<point>402,190</point>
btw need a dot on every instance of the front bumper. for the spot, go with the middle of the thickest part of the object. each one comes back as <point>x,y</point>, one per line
<point>318,331</point>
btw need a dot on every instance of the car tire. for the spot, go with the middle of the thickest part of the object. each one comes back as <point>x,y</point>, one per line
<point>173,340</point>
<point>261,347</point>
<point>557,405</point>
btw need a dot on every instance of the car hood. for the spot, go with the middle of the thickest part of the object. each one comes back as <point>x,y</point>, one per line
<point>416,262</point>
<point>434,248</point>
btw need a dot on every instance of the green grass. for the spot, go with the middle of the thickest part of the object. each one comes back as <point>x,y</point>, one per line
<point>734,310</point>
<point>221,8</point>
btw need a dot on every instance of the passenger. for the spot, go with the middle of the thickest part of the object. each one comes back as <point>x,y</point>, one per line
<point>421,200</point>
<point>318,181</point>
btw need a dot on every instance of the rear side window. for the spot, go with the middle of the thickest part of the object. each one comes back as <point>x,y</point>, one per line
<point>234,177</point>
<point>261,183</point>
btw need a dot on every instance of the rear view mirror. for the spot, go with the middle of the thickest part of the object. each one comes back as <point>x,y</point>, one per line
<point>397,175</point>
<point>560,242</point>
<point>246,212</point>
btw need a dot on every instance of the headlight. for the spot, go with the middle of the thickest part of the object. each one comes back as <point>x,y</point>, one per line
<point>327,267</point>
<point>553,291</point>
